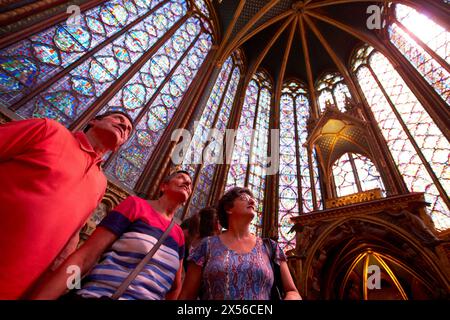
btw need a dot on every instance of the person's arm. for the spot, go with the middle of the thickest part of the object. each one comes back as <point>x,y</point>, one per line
<point>176,286</point>
<point>56,284</point>
<point>288,283</point>
<point>69,248</point>
<point>191,284</point>
<point>16,137</point>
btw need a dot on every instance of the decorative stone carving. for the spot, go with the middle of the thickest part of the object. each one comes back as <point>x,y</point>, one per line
<point>318,263</point>
<point>353,198</point>
<point>341,232</point>
<point>409,253</point>
<point>304,236</point>
<point>416,226</point>
<point>374,224</point>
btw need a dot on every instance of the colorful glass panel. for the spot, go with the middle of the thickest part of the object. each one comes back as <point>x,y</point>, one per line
<point>222,114</point>
<point>250,148</point>
<point>202,131</point>
<point>302,116</point>
<point>107,65</point>
<point>241,150</point>
<point>64,70</point>
<point>130,161</point>
<point>333,90</point>
<point>141,87</point>
<point>295,186</point>
<point>428,137</point>
<point>345,178</point>
<point>368,174</point>
<point>258,157</point>
<point>201,5</point>
<point>433,72</point>
<point>50,51</point>
<point>288,181</point>
<point>408,117</point>
<point>428,31</point>
<point>316,180</point>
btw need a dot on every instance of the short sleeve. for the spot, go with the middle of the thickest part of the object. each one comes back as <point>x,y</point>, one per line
<point>279,254</point>
<point>181,246</point>
<point>198,254</point>
<point>120,218</point>
<point>17,137</point>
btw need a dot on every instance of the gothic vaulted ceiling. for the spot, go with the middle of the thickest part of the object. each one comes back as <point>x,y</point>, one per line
<point>331,31</point>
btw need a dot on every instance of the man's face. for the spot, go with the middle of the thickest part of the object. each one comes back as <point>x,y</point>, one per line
<point>113,129</point>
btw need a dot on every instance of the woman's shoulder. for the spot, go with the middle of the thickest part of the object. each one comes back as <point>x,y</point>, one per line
<point>132,200</point>
<point>209,243</point>
<point>268,244</point>
<point>200,248</point>
<point>208,240</point>
<point>136,199</point>
<point>274,248</point>
<point>178,235</point>
<point>270,241</point>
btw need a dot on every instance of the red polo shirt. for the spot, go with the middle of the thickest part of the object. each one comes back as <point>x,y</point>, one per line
<point>50,182</point>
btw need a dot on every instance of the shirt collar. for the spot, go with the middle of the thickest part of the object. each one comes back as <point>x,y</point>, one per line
<point>86,146</point>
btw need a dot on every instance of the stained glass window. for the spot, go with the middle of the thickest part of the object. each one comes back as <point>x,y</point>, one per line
<point>429,32</point>
<point>26,66</point>
<point>130,161</point>
<point>367,172</point>
<point>354,173</point>
<point>298,177</point>
<point>145,52</point>
<point>332,90</point>
<point>249,160</point>
<point>141,87</point>
<point>206,144</point>
<point>344,178</point>
<point>201,5</point>
<point>415,35</point>
<point>418,146</point>
<point>68,98</point>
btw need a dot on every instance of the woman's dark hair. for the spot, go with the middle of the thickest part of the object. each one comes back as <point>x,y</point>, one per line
<point>208,222</point>
<point>108,113</point>
<point>226,203</point>
<point>191,225</point>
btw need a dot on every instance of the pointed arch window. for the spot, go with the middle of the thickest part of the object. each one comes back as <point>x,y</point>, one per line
<point>205,147</point>
<point>354,173</point>
<point>249,159</point>
<point>136,56</point>
<point>418,146</point>
<point>425,44</point>
<point>333,90</point>
<point>299,189</point>
<point>60,72</point>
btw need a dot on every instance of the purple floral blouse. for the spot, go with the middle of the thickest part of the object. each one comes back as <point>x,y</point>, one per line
<point>228,275</point>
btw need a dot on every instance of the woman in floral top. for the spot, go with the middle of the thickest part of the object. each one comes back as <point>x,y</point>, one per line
<point>235,265</point>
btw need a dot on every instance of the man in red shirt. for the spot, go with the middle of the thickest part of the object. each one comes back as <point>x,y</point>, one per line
<point>50,182</point>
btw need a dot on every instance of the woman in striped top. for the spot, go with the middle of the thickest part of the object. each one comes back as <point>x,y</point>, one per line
<point>121,240</point>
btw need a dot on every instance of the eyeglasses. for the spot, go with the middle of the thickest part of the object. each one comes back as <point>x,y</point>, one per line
<point>245,197</point>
